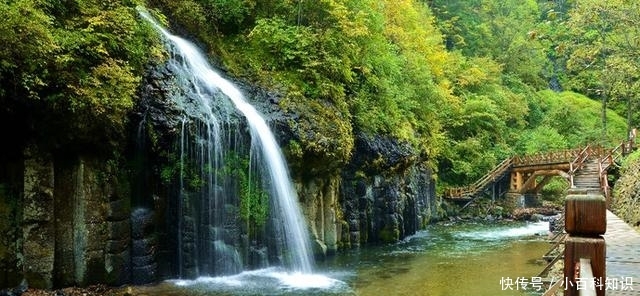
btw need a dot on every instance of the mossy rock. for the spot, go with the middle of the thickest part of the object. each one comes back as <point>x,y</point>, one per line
<point>389,235</point>
<point>626,193</point>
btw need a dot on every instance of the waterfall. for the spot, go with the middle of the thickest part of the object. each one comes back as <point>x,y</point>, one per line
<point>208,241</point>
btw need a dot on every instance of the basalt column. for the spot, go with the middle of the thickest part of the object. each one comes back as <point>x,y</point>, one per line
<point>38,228</point>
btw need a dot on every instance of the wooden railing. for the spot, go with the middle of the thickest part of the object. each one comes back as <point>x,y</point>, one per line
<point>585,273</point>
<point>558,249</point>
<point>482,182</point>
<point>546,158</point>
<point>577,163</point>
<point>613,155</point>
<point>608,160</point>
<point>575,157</point>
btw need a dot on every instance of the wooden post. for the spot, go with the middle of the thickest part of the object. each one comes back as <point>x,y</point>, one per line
<point>578,248</point>
<point>585,222</point>
<point>585,214</point>
<point>516,181</point>
<point>571,185</point>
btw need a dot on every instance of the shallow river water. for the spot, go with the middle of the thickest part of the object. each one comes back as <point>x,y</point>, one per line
<point>458,259</point>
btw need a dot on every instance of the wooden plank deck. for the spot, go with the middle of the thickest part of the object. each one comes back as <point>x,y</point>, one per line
<point>623,255</point>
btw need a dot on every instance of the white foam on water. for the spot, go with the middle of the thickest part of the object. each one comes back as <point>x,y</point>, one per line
<point>303,281</point>
<point>269,280</point>
<point>231,281</point>
<point>530,229</point>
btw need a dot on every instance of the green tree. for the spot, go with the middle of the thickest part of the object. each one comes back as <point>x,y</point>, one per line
<point>602,38</point>
<point>501,30</point>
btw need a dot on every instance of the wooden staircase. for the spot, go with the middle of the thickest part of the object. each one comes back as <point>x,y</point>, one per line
<point>476,189</point>
<point>588,177</point>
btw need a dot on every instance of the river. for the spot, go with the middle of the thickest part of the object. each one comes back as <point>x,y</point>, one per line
<point>465,258</point>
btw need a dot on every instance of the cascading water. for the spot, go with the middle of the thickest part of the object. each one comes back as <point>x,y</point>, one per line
<point>203,233</point>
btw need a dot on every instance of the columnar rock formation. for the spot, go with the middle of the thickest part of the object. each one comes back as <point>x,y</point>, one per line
<point>68,216</point>
<point>69,223</point>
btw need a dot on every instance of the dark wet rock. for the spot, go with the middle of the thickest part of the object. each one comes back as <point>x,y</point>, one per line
<point>383,194</point>
<point>259,257</point>
<point>38,229</point>
<point>143,247</point>
<point>534,214</point>
<point>16,291</point>
<point>379,153</point>
<point>118,210</point>
<point>141,223</point>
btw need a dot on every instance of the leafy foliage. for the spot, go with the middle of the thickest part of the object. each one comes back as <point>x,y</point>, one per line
<point>458,80</point>
<point>254,200</point>
<point>601,51</point>
<point>501,30</point>
<point>464,82</point>
<point>577,119</point>
<point>625,193</point>
<point>345,66</point>
<point>76,65</point>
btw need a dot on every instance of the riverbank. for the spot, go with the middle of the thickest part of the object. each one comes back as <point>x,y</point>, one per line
<point>495,212</point>
<point>95,290</point>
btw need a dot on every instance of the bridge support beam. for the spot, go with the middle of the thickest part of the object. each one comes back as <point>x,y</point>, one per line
<point>522,200</point>
<point>517,181</point>
<point>525,185</point>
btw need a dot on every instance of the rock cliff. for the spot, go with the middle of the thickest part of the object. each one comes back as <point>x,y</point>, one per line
<point>72,217</point>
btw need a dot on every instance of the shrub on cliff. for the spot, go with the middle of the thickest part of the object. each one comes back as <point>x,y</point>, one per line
<point>69,70</point>
<point>343,66</point>
<point>626,193</point>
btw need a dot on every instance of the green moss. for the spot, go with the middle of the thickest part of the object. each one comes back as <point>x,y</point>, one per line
<point>294,150</point>
<point>323,129</point>
<point>389,234</point>
<point>9,242</point>
<point>170,170</point>
<point>6,221</point>
<point>254,200</point>
<point>360,174</point>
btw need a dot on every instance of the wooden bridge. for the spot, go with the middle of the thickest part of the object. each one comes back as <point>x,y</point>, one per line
<point>588,257</point>
<point>527,175</point>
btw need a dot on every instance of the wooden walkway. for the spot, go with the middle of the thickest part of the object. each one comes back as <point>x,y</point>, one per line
<point>623,255</point>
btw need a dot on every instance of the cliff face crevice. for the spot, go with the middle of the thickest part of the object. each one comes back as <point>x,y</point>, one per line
<point>388,192</point>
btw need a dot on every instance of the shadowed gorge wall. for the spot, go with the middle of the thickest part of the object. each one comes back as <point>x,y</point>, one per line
<point>74,225</point>
<point>71,217</point>
<point>383,194</point>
